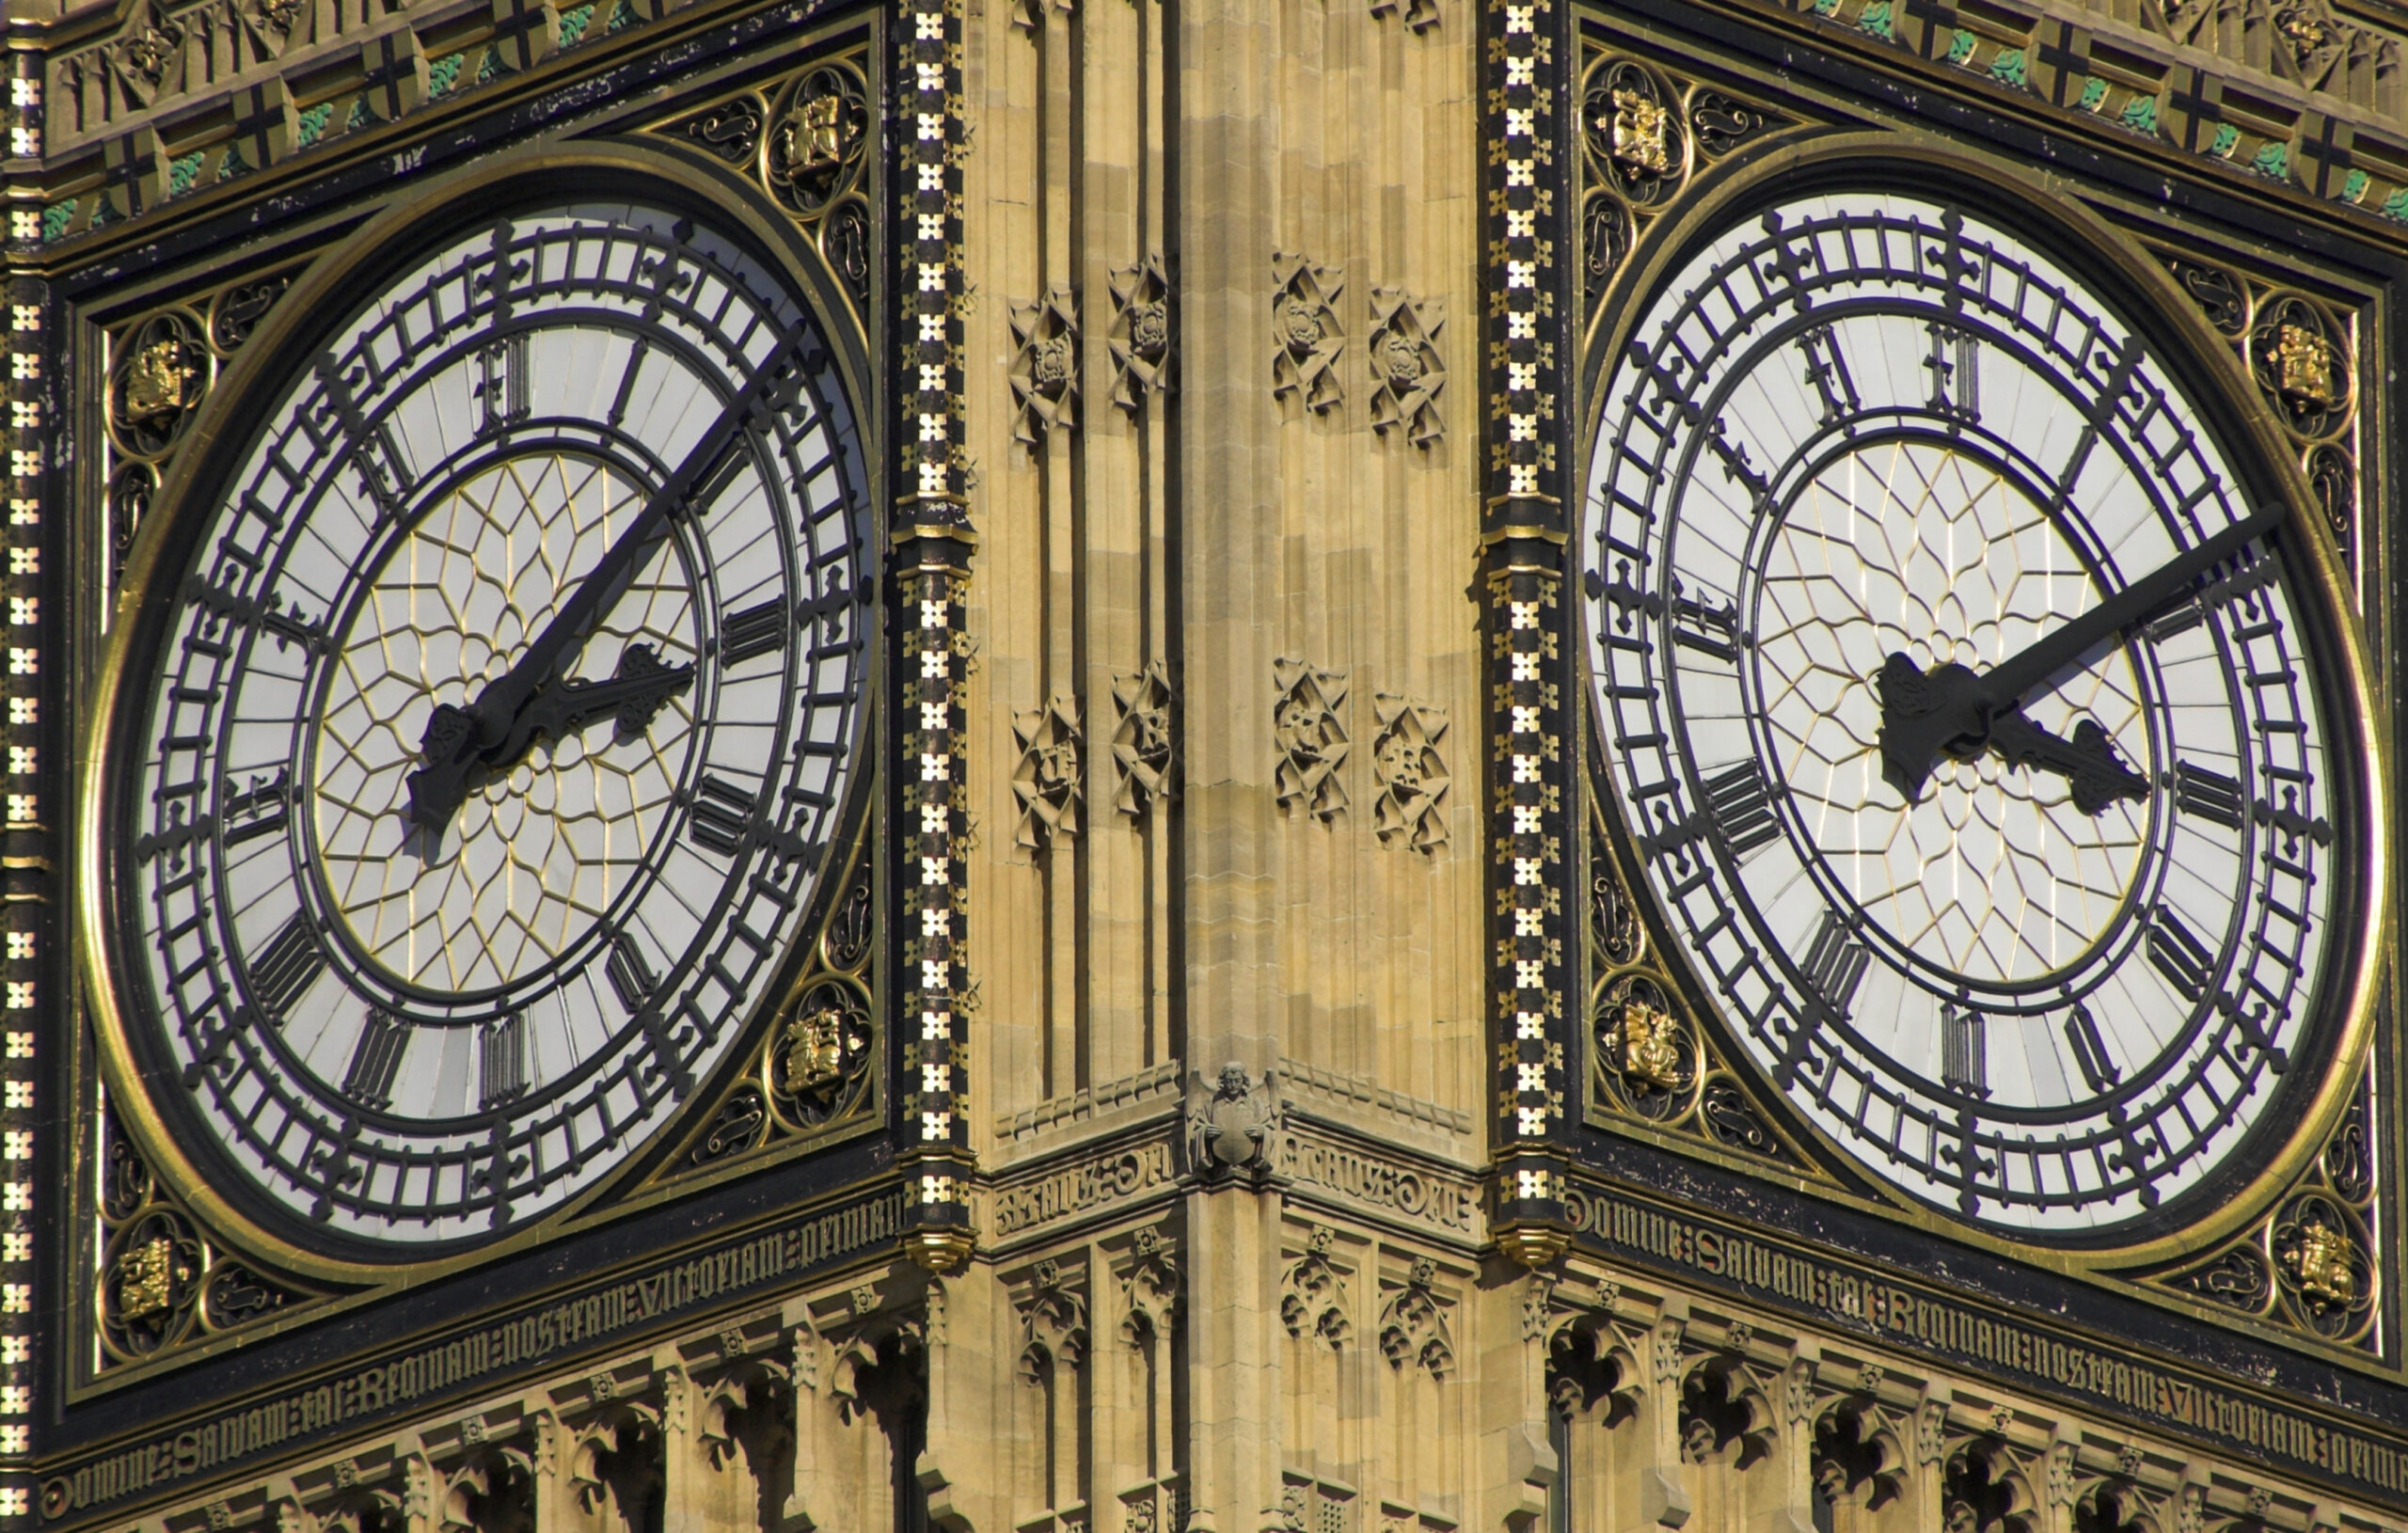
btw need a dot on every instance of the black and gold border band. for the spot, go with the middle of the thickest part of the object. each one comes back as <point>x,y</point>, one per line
<point>933,539</point>
<point>1525,53</point>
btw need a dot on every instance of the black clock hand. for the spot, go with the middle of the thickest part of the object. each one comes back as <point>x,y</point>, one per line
<point>2088,761</point>
<point>1950,709</point>
<point>633,697</point>
<point>459,742</point>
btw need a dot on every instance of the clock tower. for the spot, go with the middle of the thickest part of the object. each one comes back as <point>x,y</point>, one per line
<point>1201,766</point>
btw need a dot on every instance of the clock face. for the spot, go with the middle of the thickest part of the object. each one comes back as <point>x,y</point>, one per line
<point>504,701</point>
<point>1977,733</point>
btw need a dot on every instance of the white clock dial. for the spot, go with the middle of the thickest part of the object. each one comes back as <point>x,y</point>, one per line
<point>1970,721</point>
<point>501,710</point>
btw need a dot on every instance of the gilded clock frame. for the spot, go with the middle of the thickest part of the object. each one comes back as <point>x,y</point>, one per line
<point>655,1170</point>
<point>1704,204</point>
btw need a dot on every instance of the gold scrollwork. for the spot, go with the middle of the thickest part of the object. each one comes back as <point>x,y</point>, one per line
<point>1644,133</point>
<point>811,1069</point>
<point>806,139</point>
<point>2309,1266</point>
<point>162,1285</point>
<point>2301,353</point>
<point>1651,1063</point>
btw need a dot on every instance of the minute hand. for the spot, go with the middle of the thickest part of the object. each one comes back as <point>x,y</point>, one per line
<point>2003,685</point>
<point>437,788</point>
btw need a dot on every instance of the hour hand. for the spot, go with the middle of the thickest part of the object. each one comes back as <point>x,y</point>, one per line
<point>633,696</point>
<point>2088,761</point>
<point>460,759</point>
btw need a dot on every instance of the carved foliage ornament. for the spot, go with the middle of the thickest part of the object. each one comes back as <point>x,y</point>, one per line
<point>1311,736</point>
<point>1048,782</point>
<point>1413,1324</point>
<point>1045,371</point>
<point>1412,774</point>
<point>1419,15</point>
<point>1143,744</point>
<point>1406,371</point>
<point>1312,1293</point>
<point>1054,1323</point>
<point>1149,1287</point>
<point>1304,333</point>
<point>1140,340</point>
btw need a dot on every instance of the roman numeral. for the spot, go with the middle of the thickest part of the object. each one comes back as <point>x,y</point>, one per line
<point>260,810</point>
<point>2090,1050</point>
<point>1703,626</point>
<point>1740,803</point>
<point>629,975</point>
<point>1836,963</point>
<point>720,816</point>
<point>1735,464</point>
<point>2211,796</point>
<point>501,383</point>
<point>755,631</point>
<point>2179,956</point>
<point>503,1048</point>
<point>287,966</point>
<point>376,1060</point>
<point>1955,374</point>
<point>1827,370</point>
<point>1964,1051</point>
<point>288,629</point>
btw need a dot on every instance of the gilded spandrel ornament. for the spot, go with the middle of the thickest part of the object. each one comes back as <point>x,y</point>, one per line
<point>2320,1265</point>
<point>238,311</point>
<point>2303,366</point>
<point>1632,133</point>
<point>814,1056</point>
<point>2299,353</point>
<point>814,136</point>
<point>1721,123</point>
<point>1640,127</point>
<point>1646,1047</point>
<point>146,1279</point>
<point>158,382</point>
<point>818,1053</point>
<point>815,144</point>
